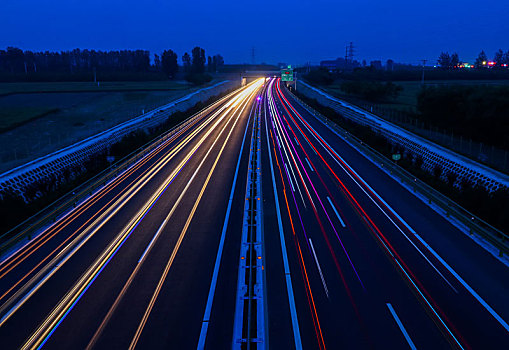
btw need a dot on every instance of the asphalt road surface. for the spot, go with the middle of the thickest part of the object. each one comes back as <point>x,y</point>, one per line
<point>256,226</point>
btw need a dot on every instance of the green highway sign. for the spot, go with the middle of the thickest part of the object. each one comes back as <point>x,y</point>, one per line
<point>287,74</point>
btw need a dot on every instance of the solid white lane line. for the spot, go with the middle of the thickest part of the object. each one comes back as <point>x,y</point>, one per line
<point>337,214</point>
<point>134,273</point>
<point>98,223</point>
<point>429,305</point>
<point>401,327</point>
<point>289,178</point>
<point>213,283</point>
<point>310,167</point>
<point>465,284</point>
<point>107,254</point>
<point>155,295</point>
<point>319,268</point>
<point>444,263</point>
<point>289,287</point>
<point>323,143</point>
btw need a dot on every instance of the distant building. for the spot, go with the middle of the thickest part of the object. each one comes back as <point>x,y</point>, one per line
<point>389,65</point>
<point>333,65</point>
<point>376,64</point>
<point>339,64</point>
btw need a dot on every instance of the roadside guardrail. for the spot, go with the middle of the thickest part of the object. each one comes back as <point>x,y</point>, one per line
<point>47,216</point>
<point>473,224</point>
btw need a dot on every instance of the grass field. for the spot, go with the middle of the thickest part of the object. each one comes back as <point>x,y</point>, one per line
<point>407,99</point>
<point>22,102</point>
<point>10,88</point>
<point>36,123</point>
<point>14,116</point>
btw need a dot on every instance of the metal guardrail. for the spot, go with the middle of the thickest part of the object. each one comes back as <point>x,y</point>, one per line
<point>28,228</point>
<point>250,295</point>
<point>18,178</point>
<point>474,224</point>
<point>433,153</point>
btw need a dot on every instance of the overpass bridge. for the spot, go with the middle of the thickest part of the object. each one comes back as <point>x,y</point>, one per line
<point>248,76</point>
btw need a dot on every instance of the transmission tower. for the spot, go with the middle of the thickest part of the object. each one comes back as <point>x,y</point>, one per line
<point>349,53</point>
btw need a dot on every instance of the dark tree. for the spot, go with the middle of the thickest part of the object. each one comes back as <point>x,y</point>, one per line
<point>444,60</point>
<point>186,60</point>
<point>389,65</point>
<point>169,63</point>
<point>157,62</point>
<point>210,68</point>
<point>198,63</point>
<point>455,61</point>
<point>499,58</point>
<point>506,58</point>
<point>481,60</point>
<point>219,61</point>
<point>15,60</point>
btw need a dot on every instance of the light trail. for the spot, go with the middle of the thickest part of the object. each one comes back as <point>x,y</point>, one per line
<point>440,317</point>
<point>309,293</point>
<point>330,221</point>
<point>213,283</point>
<point>286,265</point>
<point>54,265</point>
<point>148,311</point>
<point>319,268</point>
<point>32,246</point>
<point>67,303</point>
<point>27,250</point>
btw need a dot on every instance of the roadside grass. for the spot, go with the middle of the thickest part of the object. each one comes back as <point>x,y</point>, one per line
<point>407,99</point>
<point>14,88</point>
<point>16,116</point>
<point>33,123</point>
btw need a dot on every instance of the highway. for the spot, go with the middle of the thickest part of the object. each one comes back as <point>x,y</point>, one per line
<point>255,226</point>
<point>372,266</point>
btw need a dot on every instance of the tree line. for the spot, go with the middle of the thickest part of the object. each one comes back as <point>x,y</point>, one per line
<point>476,112</point>
<point>15,60</point>
<point>452,61</point>
<point>16,64</point>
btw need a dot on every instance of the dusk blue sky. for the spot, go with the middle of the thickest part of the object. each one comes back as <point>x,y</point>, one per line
<point>281,31</point>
